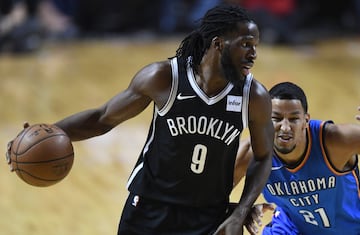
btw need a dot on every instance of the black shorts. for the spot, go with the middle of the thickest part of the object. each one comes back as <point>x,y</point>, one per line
<point>142,216</point>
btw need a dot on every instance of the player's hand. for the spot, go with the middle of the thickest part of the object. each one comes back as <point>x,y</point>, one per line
<point>231,226</point>
<point>9,145</point>
<point>253,221</point>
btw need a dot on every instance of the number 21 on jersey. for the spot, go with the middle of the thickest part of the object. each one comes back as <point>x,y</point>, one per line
<point>310,218</point>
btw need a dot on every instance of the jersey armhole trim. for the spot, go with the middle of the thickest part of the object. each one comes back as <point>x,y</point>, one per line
<point>174,87</point>
<point>246,97</point>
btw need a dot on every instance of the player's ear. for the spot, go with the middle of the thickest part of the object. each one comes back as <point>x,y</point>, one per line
<point>217,43</point>
<point>307,118</point>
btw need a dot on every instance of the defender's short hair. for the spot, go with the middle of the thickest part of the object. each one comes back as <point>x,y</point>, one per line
<point>289,91</point>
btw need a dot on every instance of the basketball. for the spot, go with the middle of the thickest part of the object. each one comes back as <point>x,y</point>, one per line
<point>41,155</point>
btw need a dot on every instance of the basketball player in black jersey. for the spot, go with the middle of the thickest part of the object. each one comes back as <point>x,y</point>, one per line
<point>203,99</point>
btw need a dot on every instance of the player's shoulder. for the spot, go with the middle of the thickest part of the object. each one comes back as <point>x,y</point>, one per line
<point>323,126</point>
<point>154,80</point>
<point>259,97</point>
<point>158,68</point>
<point>156,74</point>
<point>258,89</point>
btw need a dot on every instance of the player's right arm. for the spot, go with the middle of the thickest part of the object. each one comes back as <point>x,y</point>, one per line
<point>342,143</point>
<point>152,83</point>
<point>262,135</point>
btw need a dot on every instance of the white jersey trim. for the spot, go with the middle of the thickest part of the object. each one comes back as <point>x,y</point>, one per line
<point>162,112</point>
<point>246,98</point>
<point>174,87</point>
<point>146,148</point>
<point>134,173</point>
<point>208,100</point>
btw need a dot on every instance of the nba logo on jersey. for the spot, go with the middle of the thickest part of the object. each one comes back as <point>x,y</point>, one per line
<point>135,200</point>
<point>234,103</point>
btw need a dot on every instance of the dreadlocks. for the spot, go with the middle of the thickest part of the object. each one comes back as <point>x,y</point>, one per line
<point>218,21</point>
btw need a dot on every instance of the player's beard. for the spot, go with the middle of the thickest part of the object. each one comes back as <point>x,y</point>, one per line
<point>230,72</point>
<point>284,150</point>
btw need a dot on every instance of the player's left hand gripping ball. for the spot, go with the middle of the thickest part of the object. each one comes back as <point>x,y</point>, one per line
<point>41,154</point>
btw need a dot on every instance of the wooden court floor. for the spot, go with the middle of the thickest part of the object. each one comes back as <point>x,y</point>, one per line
<point>65,78</point>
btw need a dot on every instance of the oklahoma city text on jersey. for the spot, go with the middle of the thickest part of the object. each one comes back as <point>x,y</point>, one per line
<point>293,188</point>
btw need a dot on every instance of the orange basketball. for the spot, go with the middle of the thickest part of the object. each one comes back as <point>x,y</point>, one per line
<point>42,155</point>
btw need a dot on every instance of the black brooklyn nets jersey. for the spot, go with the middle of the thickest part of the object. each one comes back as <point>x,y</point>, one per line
<point>191,147</point>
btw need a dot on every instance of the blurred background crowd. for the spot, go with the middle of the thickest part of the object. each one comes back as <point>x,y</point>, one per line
<point>26,24</point>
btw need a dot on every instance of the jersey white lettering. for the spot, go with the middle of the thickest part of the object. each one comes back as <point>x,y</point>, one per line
<point>301,187</point>
<point>305,201</point>
<point>215,128</point>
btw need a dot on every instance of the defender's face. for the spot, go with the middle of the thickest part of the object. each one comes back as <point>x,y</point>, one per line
<point>290,122</point>
<point>239,52</point>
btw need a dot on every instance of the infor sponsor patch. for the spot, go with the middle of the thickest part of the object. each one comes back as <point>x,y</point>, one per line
<point>234,103</point>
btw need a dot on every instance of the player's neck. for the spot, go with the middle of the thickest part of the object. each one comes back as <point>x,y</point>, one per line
<point>210,83</point>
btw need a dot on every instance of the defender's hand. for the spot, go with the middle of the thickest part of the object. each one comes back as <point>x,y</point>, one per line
<point>253,221</point>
